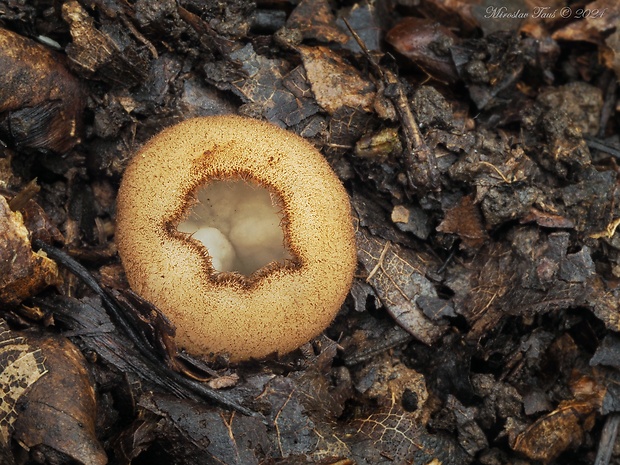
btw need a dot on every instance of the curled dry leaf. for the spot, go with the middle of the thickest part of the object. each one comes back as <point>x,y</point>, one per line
<point>49,398</point>
<point>547,220</point>
<point>23,272</point>
<point>41,100</point>
<point>392,436</point>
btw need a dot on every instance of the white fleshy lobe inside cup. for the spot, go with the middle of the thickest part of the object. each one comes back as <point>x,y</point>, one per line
<point>240,225</point>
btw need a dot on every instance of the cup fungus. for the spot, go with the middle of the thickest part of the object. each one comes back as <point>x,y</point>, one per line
<point>244,313</point>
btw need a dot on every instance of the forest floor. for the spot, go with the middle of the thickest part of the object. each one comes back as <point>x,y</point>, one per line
<point>479,145</point>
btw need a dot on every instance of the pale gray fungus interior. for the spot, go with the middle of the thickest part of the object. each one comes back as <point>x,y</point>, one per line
<point>239,224</point>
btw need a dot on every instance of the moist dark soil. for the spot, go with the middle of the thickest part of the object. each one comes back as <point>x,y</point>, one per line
<point>479,144</point>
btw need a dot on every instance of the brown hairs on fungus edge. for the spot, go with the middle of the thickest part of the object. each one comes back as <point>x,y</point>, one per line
<point>280,306</point>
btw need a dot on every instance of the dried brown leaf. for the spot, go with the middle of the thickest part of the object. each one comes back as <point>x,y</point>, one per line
<point>51,397</point>
<point>22,366</point>
<point>114,57</point>
<point>555,432</point>
<point>23,273</point>
<point>426,43</point>
<point>315,20</point>
<point>465,220</point>
<point>398,277</point>
<point>391,436</point>
<point>42,101</point>
<point>547,219</point>
<point>335,83</point>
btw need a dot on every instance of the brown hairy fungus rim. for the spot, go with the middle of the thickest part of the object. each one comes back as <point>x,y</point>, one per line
<point>278,308</point>
<point>169,226</point>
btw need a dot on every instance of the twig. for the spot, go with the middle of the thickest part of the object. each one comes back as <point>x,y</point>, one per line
<point>595,143</point>
<point>608,439</point>
<point>177,381</point>
<point>420,161</point>
<point>20,200</point>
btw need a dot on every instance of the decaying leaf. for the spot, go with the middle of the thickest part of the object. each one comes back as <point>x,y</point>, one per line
<point>49,397</point>
<point>471,437</point>
<point>398,277</point>
<point>315,20</point>
<point>22,365</point>
<point>536,274</point>
<point>268,86</point>
<point>592,202</point>
<point>335,83</point>
<point>23,272</point>
<point>547,220</point>
<point>192,432</point>
<point>95,52</point>
<point>322,397</point>
<point>392,436</point>
<point>552,434</point>
<point>40,100</point>
<point>604,300</point>
<point>184,431</point>
<point>373,335</point>
<point>387,382</point>
<point>426,43</point>
<point>465,220</point>
<point>493,75</point>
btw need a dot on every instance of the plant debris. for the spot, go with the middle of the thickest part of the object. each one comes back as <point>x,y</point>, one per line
<point>41,102</point>
<point>479,145</point>
<point>37,372</point>
<point>23,272</point>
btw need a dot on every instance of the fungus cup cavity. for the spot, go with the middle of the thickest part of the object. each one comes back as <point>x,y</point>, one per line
<point>199,273</point>
<point>240,224</point>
